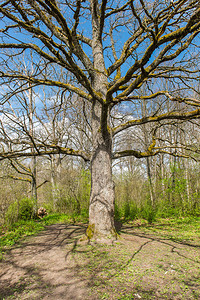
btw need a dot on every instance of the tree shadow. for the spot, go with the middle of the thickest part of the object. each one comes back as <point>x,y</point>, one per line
<point>131,231</point>
<point>94,265</point>
<point>17,278</point>
<point>8,289</point>
<point>56,235</point>
<point>96,274</point>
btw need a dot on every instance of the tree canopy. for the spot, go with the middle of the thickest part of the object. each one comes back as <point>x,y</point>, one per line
<point>133,62</point>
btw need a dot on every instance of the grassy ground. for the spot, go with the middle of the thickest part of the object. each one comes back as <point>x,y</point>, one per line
<point>9,235</point>
<point>157,261</point>
<point>140,268</point>
<point>149,261</point>
<point>178,229</point>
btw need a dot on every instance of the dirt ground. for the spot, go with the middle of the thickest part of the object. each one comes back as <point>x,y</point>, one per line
<point>56,264</point>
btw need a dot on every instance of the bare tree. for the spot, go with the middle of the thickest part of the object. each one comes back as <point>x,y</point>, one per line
<point>109,51</point>
<point>62,124</point>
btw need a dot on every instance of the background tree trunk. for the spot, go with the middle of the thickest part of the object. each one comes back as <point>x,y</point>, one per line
<point>33,159</point>
<point>55,177</point>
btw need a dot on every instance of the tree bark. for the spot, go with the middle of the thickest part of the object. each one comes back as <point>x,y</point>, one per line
<point>55,178</point>
<point>101,211</point>
<point>151,191</point>
<point>146,142</point>
<point>33,181</point>
<point>33,159</point>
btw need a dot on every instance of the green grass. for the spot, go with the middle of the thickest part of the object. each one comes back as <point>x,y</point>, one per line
<point>11,234</point>
<point>129,271</point>
<point>122,271</point>
<point>178,229</point>
<point>19,229</point>
<point>181,229</point>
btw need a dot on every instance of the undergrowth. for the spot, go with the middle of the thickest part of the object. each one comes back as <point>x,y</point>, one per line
<point>10,234</point>
<point>180,229</point>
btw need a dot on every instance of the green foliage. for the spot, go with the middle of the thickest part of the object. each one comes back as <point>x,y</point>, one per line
<point>83,216</point>
<point>117,213</point>
<point>15,231</point>
<point>19,229</point>
<point>148,212</point>
<point>20,210</point>
<point>127,210</point>
<point>74,193</point>
<point>84,188</point>
<point>48,206</point>
<point>9,192</point>
<point>63,218</point>
<point>130,211</point>
<point>26,206</point>
<point>178,229</point>
<point>56,218</point>
<point>172,198</point>
<point>176,194</point>
<point>12,213</point>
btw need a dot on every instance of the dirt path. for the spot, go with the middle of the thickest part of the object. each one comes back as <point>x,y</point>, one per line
<point>39,268</point>
<point>55,265</point>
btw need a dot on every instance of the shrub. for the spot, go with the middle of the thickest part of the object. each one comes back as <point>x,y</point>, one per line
<point>127,210</point>
<point>12,213</point>
<point>117,213</point>
<point>26,207</point>
<point>148,212</point>
<point>20,210</point>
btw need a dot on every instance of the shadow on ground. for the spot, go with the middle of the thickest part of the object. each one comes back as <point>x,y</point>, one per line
<point>38,268</point>
<point>56,264</point>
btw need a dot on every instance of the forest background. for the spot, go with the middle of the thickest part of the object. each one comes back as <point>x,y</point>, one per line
<point>50,135</point>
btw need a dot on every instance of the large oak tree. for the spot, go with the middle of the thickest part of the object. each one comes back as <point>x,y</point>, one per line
<point>115,55</point>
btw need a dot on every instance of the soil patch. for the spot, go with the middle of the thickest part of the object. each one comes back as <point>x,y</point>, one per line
<point>56,265</point>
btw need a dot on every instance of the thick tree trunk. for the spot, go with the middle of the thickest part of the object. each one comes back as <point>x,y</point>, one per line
<point>101,211</point>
